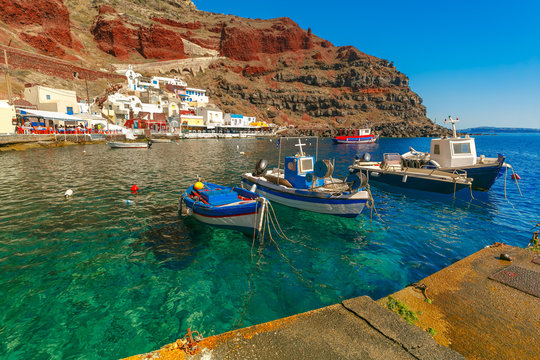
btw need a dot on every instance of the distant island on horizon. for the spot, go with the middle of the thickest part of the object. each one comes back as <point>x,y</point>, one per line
<point>493,129</point>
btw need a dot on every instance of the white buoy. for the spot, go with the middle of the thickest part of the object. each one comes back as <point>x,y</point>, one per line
<point>237,147</point>
<point>68,193</point>
<point>242,153</point>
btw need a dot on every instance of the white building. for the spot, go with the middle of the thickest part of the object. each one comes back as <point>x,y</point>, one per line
<point>195,96</point>
<point>168,81</point>
<point>49,99</point>
<point>237,120</point>
<point>132,78</point>
<point>135,81</point>
<point>250,119</point>
<point>151,108</point>
<point>7,115</point>
<point>119,107</point>
<point>211,115</point>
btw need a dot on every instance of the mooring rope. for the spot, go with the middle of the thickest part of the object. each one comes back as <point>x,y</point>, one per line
<point>256,235</point>
<point>275,223</point>
<point>368,189</point>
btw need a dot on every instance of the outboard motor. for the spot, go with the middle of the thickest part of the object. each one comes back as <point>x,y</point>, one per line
<point>260,167</point>
<point>364,157</point>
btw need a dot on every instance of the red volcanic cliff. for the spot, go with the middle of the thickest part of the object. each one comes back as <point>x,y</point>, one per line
<point>160,43</point>
<point>120,38</point>
<point>245,42</point>
<point>44,24</point>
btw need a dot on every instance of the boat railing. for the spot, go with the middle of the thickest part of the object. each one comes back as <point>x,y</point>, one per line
<point>460,172</point>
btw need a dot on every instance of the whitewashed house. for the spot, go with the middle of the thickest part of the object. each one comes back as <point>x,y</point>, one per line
<point>119,107</point>
<point>236,120</point>
<point>212,116</point>
<point>196,97</point>
<point>136,82</point>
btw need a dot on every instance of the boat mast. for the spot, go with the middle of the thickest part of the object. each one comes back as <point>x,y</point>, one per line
<point>452,121</point>
<point>300,146</point>
<point>279,161</point>
<point>317,150</point>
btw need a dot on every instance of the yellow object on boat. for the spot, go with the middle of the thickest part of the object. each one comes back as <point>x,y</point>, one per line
<point>198,185</point>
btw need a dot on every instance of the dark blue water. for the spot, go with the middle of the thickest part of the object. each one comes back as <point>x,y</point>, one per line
<point>93,277</point>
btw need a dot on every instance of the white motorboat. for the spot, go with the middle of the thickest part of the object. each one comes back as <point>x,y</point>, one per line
<point>457,153</point>
<point>129,145</point>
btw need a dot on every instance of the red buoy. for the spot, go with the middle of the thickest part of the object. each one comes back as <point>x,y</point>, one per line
<point>134,189</point>
<point>516,177</point>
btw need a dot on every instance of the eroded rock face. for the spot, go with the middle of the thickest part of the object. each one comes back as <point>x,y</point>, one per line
<point>44,44</point>
<point>115,37</point>
<point>245,42</point>
<point>44,24</point>
<point>160,43</point>
<point>120,38</point>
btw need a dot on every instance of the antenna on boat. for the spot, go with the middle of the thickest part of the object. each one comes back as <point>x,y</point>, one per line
<point>300,146</point>
<point>452,121</point>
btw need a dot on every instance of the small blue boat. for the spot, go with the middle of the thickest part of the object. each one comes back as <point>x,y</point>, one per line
<point>222,206</point>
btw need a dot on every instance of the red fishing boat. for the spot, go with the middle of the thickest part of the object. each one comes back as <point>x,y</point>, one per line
<point>355,136</point>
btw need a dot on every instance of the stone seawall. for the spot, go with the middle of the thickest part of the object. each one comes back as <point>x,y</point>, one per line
<point>44,139</point>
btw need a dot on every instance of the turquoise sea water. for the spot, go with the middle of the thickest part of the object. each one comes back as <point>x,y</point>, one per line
<point>93,278</point>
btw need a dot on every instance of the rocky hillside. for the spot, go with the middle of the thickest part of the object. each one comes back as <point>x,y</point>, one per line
<point>272,69</point>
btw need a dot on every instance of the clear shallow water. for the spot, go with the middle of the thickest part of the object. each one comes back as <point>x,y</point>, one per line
<point>92,277</point>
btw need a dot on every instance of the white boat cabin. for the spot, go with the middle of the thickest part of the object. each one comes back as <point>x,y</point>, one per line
<point>354,132</point>
<point>453,152</point>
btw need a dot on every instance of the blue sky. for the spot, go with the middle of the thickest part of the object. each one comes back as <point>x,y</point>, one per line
<point>478,61</point>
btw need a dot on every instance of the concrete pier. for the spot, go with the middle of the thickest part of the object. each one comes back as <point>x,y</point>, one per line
<point>469,314</point>
<point>477,316</point>
<point>355,329</point>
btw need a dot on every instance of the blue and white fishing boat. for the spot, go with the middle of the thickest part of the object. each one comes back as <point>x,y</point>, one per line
<point>457,154</point>
<point>223,206</point>
<point>307,184</point>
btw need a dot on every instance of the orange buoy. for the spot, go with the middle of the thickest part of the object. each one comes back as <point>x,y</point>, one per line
<point>134,189</point>
<point>516,177</point>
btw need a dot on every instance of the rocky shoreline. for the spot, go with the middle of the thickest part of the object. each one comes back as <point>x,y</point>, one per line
<point>390,130</point>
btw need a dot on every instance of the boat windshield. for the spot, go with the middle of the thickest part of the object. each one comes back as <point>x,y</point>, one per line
<point>462,148</point>
<point>306,165</point>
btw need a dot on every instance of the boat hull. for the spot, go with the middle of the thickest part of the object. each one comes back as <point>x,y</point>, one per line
<point>355,140</point>
<point>244,223</point>
<point>415,183</point>
<point>245,216</point>
<point>340,206</point>
<point>483,176</point>
<point>121,145</point>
